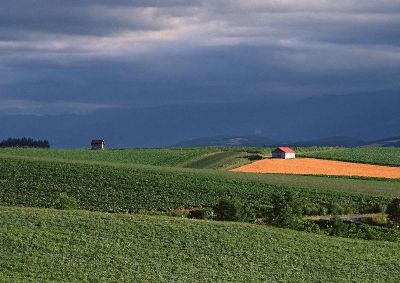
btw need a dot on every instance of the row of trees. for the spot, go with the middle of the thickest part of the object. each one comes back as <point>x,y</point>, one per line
<point>24,142</point>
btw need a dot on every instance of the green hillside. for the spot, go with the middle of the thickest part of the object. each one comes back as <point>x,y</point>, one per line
<point>76,246</point>
<point>47,245</point>
<point>154,156</point>
<point>373,155</point>
<point>121,187</point>
<point>222,160</point>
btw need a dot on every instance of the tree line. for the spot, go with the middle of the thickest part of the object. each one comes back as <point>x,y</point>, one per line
<point>24,142</point>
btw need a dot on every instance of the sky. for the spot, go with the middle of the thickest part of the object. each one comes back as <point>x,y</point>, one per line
<point>75,56</point>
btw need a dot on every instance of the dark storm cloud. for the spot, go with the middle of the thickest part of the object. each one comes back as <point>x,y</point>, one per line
<point>137,53</point>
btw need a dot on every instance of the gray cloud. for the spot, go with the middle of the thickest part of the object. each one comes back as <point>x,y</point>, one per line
<point>157,52</point>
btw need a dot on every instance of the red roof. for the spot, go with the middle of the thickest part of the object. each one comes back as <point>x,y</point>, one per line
<point>285,149</point>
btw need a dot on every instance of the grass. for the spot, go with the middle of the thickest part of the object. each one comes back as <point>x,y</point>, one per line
<point>77,246</point>
<point>222,160</point>
<point>199,157</point>
<point>372,155</point>
<point>48,245</point>
<point>171,157</point>
<point>122,187</point>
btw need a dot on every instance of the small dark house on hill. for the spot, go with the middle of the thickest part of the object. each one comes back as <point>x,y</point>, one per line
<point>98,144</point>
<point>284,153</point>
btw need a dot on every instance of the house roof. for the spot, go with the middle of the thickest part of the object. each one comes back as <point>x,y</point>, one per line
<point>285,149</point>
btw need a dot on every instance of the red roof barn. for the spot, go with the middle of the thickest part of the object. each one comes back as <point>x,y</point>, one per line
<point>284,153</point>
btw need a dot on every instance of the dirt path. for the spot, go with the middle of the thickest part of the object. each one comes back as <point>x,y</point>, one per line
<point>312,166</point>
<point>357,218</point>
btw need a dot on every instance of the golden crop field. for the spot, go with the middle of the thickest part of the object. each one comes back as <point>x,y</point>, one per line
<point>311,166</point>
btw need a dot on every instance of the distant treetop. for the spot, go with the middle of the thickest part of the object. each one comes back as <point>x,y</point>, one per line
<point>24,142</point>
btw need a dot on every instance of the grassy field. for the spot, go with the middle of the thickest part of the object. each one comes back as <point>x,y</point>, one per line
<point>199,158</point>
<point>222,160</point>
<point>77,246</point>
<point>47,245</point>
<point>171,157</point>
<point>121,187</point>
<point>372,155</point>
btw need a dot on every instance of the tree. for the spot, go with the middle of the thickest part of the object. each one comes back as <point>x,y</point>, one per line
<point>24,142</point>
<point>393,211</point>
<point>286,210</point>
<point>233,210</point>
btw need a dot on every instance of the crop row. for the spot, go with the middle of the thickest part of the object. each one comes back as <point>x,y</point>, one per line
<point>154,156</point>
<point>372,155</point>
<point>77,246</point>
<point>171,157</point>
<point>130,188</point>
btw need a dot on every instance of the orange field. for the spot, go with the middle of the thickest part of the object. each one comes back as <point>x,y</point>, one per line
<point>311,166</point>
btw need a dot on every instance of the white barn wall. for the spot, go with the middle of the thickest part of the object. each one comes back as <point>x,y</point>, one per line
<point>290,155</point>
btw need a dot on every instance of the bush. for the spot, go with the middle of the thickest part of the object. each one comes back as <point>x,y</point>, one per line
<point>309,226</point>
<point>201,213</point>
<point>310,209</point>
<point>335,209</point>
<point>322,211</point>
<point>286,210</point>
<point>393,211</point>
<point>179,212</point>
<point>233,210</point>
<point>63,201</point>
<point>338,227</point>
<point>378,220</point>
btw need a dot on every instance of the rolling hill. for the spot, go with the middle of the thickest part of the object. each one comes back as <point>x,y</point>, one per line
<point>77,246</point>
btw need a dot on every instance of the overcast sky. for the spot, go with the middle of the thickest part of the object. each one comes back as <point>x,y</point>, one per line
<point>77,56</point>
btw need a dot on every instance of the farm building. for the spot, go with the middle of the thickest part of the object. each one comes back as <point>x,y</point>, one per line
<point>98,144</point>
<point>284,153</point>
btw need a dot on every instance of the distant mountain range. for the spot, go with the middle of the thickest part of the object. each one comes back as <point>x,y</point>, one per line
<point>256,141</point>
<point>365,117</point>
<point>259,141</point>
<point>388,142</point>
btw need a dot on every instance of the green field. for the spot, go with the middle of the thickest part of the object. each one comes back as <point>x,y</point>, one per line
<point>159,157</point>
<point>76,246</point>
<point>121,187</point>
<point>40,244</point>
<point>372,155</point>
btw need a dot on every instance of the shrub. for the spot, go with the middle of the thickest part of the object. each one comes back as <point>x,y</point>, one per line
<point>381,208</point>
<point>286,210</point>
<point>233,210</point>
<point>179,212</point>
<point>311,209</point>
<point>393,211</point>
<point>335,209</point>
<point>378,220</point>
<point>201,213</point>
<point>309,226</point>
<point>322,210</point>
<point>63,201</point>
<point>338,227</point>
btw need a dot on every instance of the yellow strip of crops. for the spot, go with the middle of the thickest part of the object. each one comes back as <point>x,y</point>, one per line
<point>311,166</point>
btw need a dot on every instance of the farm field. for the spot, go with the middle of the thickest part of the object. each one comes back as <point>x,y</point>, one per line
<point>77,246</point>
<point>160,157</point>
<point>116,187</point>
<point>371,155</point>
<point>199,158</point>
<point>313,166</point>
<point>110,237</point>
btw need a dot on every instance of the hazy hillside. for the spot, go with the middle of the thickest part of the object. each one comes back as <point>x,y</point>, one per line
<point>306,119</point>
<point>257,141</point>
<point>388,142</point>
